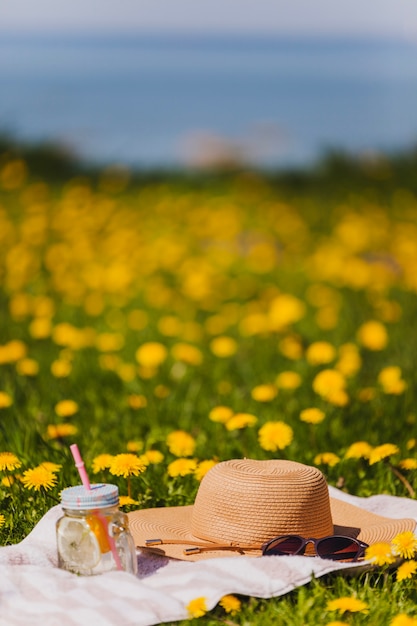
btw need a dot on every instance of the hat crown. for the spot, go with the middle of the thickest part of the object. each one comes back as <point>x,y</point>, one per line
<point>248,502</point>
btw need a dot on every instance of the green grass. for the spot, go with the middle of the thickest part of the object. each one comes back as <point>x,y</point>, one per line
<point>93,267</point>
<point>308,604</point>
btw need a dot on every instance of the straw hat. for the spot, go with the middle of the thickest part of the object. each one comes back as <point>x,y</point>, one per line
<point>245,502</point>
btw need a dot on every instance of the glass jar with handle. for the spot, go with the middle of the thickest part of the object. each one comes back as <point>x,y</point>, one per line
<point>93,535</point>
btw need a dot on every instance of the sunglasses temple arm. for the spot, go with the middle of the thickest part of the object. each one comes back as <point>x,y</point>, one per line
<point>362,546</point>
<point>361,552</point>
<point>199,546</point>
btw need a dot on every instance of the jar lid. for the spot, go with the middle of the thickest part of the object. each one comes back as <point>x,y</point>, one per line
<point>100,496</point>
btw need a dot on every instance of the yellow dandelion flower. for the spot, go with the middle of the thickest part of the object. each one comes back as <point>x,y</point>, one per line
<point>328,383</point>
<point>327,317</point>
<point>402,619</point>
<point>397,388</point>
<point>223,346</point>
<point>203,467</point>
<point>288,380</point>
<point>408,464</point>
<point>384,451</point>
<point>27,367</point>
<point>411,443</point>
<point>240,421</point>
<point>405,544</point>
<point>137,401</point>
<point>390,379</point>
<point>253,324</point>
<point>291,347</point>
<point>320,353</point>
<point>7,481</point>
<point>181,467</point>
<point>151,354</point>
<point>170,326</point>
<point>347,604</point>
<point>65,334</point>
<point>373,335</point>
<point>5,400</point>
<point>39,478</point>
<point>275,436</point>
<point>20,305</point>
<point>406,570</point>
<point>61,368</point>
<point>285,310</point>
<point>220,414</point>
<point>389,375</point>
<point>126,464</point>
<point>137,319</point>
<point>2,520</point>
<point>326,458</point>
<point>380,553</point>
<point>49,465</point>
<point>264,393</point>
<point>126,372</point>
<point>359,450</point>
<point>230,604</point>
<point>109,342</point>
<point>40,328</point>
<point>338,398</point>
<point>186,353</point>
<point>197,607</point>
<point>152,457</point>
<point>312,415</point>
<point>66,408</point>
<point>127,500</point>
<point>9,462</point>
<point>349,361</point>
<point>12,351</point>
<point>134,446</point>
<point>60,431</point>
<point>181,443</point>
<point>337,623</point>
<point>102,462</point>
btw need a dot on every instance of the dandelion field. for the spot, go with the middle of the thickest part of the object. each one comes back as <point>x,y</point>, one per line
<point>166,324</point>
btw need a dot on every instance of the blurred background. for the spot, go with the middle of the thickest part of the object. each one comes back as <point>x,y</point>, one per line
<point>163,84</point>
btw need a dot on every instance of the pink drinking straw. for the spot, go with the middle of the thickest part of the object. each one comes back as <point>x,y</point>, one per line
<point>79,464</point>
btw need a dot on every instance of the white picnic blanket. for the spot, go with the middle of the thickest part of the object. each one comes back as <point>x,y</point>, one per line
<point>33,591</point>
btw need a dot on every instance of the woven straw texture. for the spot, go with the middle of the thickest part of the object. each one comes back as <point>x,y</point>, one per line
<point>251,501</point>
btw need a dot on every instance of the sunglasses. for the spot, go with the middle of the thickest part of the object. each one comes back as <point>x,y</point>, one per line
<point>334,547</point>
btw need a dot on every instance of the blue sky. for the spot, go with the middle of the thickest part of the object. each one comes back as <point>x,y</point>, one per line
<point>396,18</point>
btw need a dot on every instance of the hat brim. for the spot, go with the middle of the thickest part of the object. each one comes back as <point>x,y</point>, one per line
<point>175,523</point>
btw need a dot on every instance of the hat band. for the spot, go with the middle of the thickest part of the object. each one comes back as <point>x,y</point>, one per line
<point>198,546</point>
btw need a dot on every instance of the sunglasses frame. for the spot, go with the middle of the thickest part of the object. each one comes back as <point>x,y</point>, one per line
<point>316,542</point>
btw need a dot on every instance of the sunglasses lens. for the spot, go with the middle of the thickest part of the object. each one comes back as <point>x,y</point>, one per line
<point>338,548</point>
<point>290,544</point>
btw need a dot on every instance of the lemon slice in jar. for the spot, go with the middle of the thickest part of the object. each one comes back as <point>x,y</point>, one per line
<point>77,544</point>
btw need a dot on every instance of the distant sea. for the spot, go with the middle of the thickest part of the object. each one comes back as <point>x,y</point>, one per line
<point>155,101</point>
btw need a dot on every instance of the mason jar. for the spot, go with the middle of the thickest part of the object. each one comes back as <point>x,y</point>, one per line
<point>93,535</point>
